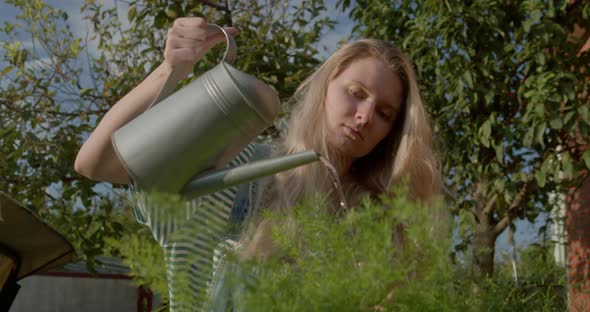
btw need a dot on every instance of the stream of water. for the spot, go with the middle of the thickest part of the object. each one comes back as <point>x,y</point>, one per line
<point>335,181</point>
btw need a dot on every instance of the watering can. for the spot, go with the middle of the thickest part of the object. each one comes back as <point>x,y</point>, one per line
<point>184,140</point>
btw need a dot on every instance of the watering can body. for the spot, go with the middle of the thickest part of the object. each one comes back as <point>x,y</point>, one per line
<point>201,127</point>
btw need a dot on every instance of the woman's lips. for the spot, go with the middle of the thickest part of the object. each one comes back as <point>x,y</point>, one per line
<point>352,134</point>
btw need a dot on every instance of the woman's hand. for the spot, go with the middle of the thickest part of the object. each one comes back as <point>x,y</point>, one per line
<point>188,42</point>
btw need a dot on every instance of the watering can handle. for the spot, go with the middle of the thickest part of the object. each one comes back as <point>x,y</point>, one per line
<point>173,77</point>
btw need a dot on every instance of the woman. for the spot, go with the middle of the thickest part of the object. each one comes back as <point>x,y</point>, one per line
<point>361,109</point>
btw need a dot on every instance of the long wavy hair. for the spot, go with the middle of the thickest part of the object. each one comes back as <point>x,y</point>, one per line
<point>407,154</point>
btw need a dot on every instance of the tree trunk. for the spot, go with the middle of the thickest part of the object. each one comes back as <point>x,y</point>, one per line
<point>483,243</point>
<point>578,247</point>
<point>577,220</point>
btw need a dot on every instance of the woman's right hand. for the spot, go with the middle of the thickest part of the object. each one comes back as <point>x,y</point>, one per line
<point>188,42</point>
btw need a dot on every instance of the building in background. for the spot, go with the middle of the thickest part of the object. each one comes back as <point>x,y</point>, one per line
<point>74,289</point>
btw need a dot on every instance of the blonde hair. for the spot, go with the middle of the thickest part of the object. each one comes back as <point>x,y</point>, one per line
<point>406,153</point>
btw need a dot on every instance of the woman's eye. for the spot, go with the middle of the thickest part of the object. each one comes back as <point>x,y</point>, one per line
<point>385,115</point>
<point>355,93</point>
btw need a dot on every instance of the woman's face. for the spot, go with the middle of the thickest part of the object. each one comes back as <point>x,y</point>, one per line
<point>362,103</point>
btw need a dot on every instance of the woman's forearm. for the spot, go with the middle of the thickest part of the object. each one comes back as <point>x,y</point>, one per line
<point>97,159</point>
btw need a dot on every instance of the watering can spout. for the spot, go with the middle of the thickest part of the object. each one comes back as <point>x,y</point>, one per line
<point>221,179</point>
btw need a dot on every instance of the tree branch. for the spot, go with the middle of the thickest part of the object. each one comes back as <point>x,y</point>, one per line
<point>55,113</point>
<point>69,179</point>
<point>528,187</point>
<point>501,226</point>
<point>215,5</point>
<point>490,205</point>
<point>228,15</point>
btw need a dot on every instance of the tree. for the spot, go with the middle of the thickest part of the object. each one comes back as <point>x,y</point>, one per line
<point>45,113</point>
<point>55,88</point>
<point>507,93</point>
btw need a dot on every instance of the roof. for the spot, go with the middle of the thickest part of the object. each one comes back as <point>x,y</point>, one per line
<point>104,265</point>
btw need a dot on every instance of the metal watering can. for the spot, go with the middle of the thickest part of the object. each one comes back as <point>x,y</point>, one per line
<point>182,142</point>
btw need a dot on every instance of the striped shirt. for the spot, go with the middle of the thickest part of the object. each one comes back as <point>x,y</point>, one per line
<point>194,238</point>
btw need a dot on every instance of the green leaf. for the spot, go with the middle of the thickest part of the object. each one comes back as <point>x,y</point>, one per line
<point>468,79</point>
<point>171,13</point>
<point>466,218</point>
<point>540,177</point>
<point>584,113</point>
<point>556,123</point>
<point>499,152</point>
<point>540,109</point>
<point>20,57</point>
<point>489,96</point>
<point>540,132</point>
<point>528,137</point>
<point>568,90</point>
<point>526,26</point>
<point>557,173</point>
<point>76,47</point>
<point>160,19</point>
<point>6,70</point>
<point>567,166</point>
<point>485,131</point>
<point>540,58</point>
<point>586,158</point>
<point>131,13</point>
<point>500,185</point>
<point>568,116</point>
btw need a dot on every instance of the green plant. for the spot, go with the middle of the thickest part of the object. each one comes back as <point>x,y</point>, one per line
<point>355,262</point>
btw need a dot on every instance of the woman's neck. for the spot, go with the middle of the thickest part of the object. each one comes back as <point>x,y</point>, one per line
<point>341,163</point>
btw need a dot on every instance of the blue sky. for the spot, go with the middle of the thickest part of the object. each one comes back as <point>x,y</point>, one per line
<point>79,26</point>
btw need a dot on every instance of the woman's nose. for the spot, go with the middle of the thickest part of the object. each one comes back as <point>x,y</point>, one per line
<point>364,113</point>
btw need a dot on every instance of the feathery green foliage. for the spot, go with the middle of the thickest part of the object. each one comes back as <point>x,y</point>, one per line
<point>355,263</point>
<point>145,260</point>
